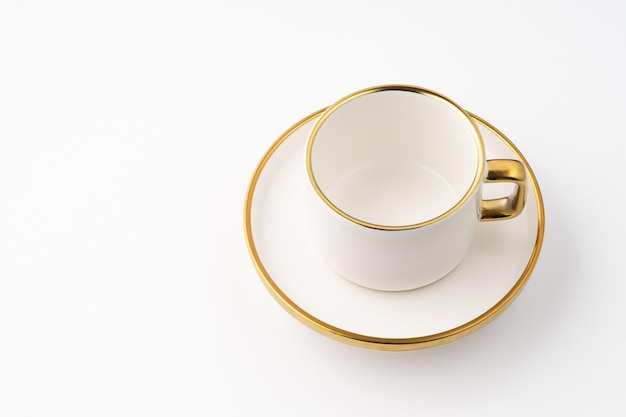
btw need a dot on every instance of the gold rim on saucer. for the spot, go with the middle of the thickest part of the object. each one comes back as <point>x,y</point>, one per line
<point>380,343</point>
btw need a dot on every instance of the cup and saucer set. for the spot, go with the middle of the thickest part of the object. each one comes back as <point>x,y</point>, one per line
<point>394,220</point>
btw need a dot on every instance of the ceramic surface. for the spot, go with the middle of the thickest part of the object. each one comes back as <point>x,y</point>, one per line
<point>395,174</point>
<point>496,268</point>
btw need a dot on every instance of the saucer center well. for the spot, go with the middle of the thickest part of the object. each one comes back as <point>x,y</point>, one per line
<point>392,193</point>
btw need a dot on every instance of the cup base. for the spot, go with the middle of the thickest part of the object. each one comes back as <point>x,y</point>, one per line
<point>403,288</point>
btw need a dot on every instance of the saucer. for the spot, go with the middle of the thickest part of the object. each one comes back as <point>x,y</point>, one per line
<point>498,265</point>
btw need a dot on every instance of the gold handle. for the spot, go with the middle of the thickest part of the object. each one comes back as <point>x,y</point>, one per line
<point>505,170</point>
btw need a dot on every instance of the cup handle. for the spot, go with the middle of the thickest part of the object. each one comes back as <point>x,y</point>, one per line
<point>505,170</point>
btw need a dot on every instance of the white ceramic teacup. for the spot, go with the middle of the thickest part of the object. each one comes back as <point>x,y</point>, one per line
<point>395,175</point>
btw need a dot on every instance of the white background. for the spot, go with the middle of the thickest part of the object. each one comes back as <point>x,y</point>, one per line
<point>128,134</point>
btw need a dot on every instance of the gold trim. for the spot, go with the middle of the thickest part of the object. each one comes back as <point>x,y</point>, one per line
<point>389,344</point>
<point>412,89</point>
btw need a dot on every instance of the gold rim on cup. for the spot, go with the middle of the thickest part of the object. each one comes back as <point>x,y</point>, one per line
<point>412,89</point>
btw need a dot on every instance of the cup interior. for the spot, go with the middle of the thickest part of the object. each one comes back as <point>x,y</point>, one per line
<point>394,157</point>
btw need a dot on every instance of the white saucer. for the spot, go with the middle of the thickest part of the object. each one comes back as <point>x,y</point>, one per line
<point>482,286</point>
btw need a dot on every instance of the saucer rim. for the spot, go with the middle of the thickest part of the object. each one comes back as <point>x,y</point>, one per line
<point>385,343</point>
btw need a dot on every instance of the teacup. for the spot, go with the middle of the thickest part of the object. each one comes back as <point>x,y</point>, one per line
<point>395,174</point>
